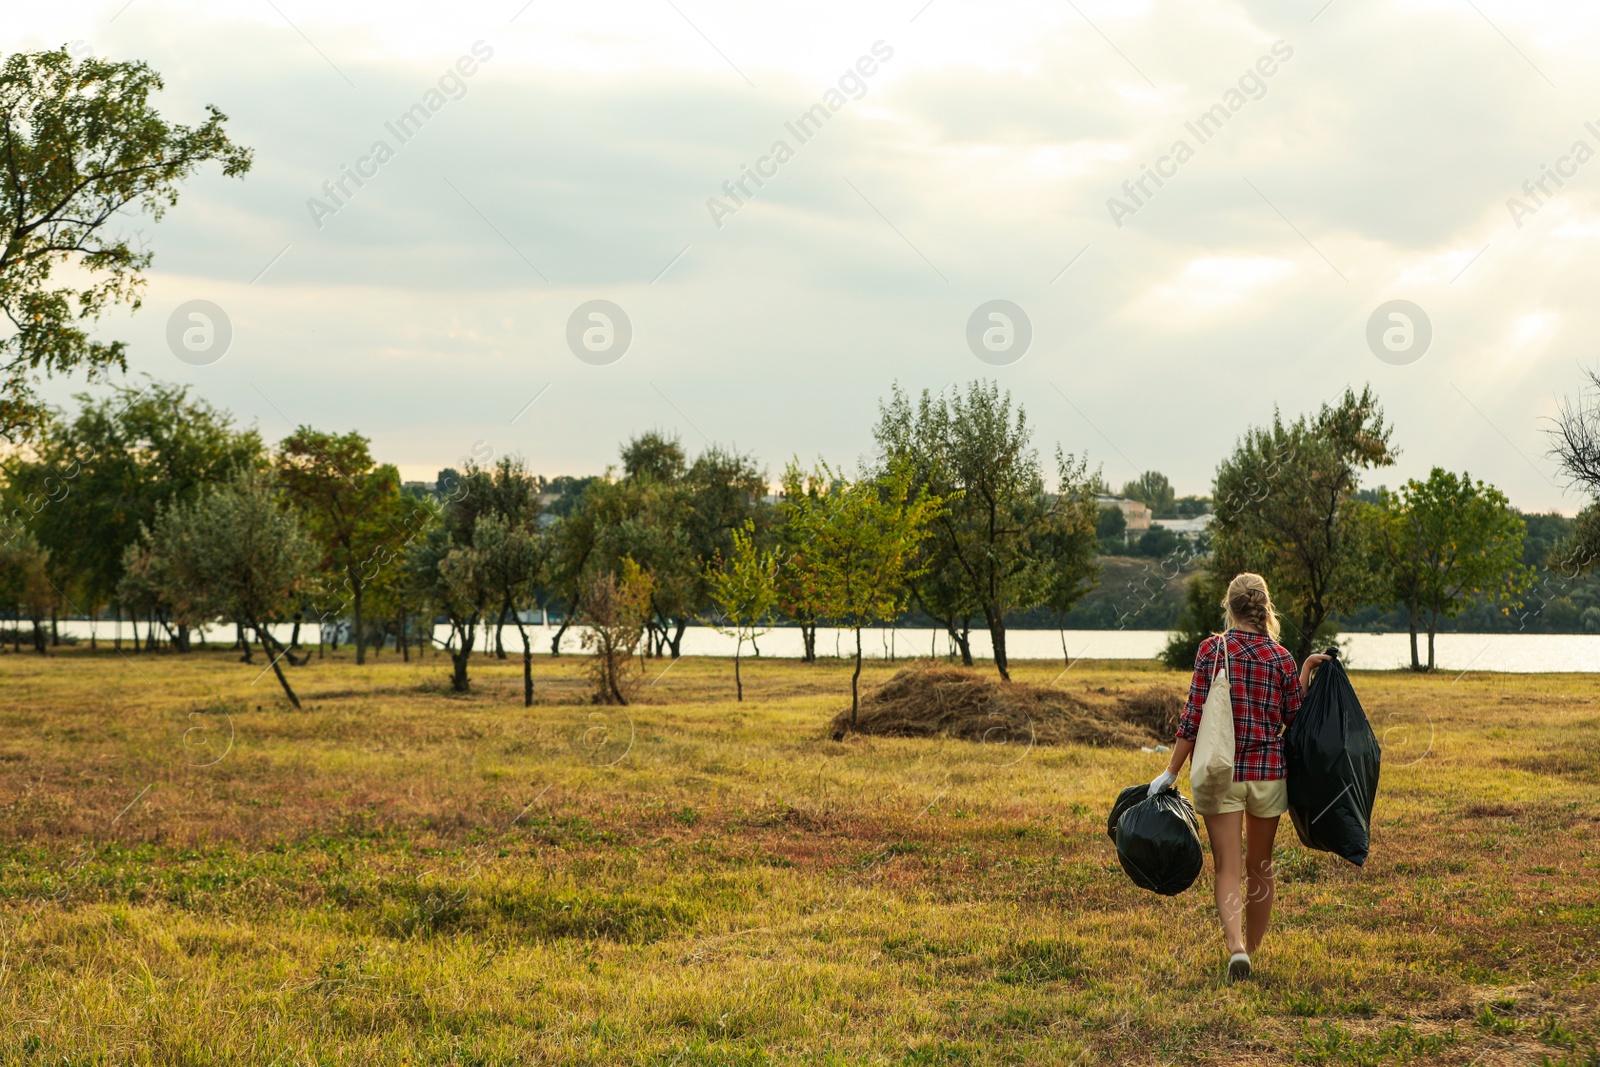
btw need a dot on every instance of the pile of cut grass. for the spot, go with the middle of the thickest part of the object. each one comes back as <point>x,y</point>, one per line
<point>930,700</point>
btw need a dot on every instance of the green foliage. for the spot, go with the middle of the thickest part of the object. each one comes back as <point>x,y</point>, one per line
<point>353,510</point>
<point>1111,530</point>
<point>234,552</point>
<point>863,539</point>
<point>671,518</point>
<point>1000,542</point>
<point>481,555</point>
<point>25,586</point>
<point>1440,544</point>
<point>513,552</point>
<point>1155,491</point>
<point>798,596</point>
<point>1202,616</point>
<point>80,144</point>
<point>1285,509</point>
<point>87,487</point>
<point>744,590</point>
<point>1158,541</point>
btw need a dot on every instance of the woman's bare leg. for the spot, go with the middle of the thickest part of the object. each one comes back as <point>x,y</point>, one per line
<point>1226,849</point>
<point>1259,837</point>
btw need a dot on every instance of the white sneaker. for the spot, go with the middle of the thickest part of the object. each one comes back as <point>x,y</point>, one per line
<point>1238,967</point>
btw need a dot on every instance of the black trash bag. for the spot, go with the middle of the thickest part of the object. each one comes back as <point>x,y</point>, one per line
<point>1125,800</point>
<point>1158,840</point>
<point>1333,761</point>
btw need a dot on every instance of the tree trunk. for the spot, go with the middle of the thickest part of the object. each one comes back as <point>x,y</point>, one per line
<point>964,643</point>
<point>1433,627</point>
<point>738,682</point>
<point>55,630</point>
<point>555,642</point>
<point>116,642</point>
<point>1416,663</point>
<point>855,679</point>
<point>38,635</point>
<point>808,637</point>
<point>677,636</point>
<point>499,634</point>
<point>997,637</point>
<point>459,656</point>
<point>403,638</point>
<point>1066,660</point>
<point>361,634</point>
<point>527,663</point>
<point>267,643</point>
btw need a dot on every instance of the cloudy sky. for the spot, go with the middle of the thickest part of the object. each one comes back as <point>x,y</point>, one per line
<point>1359,153</point>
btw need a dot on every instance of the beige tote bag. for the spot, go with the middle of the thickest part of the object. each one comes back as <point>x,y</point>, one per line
<point>1211,768</point>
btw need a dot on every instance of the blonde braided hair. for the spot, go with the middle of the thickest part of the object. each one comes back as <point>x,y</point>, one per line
<point>1248,603</point>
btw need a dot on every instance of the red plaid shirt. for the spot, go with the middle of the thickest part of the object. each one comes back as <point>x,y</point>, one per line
<point>1265,692</point>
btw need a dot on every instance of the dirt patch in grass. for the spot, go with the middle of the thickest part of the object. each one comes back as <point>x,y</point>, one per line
<point>937,701</point>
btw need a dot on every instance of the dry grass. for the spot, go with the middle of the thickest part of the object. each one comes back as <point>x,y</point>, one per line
<point>932,700</point>
<point>191,873</point>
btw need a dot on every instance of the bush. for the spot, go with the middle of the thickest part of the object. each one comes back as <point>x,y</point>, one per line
<point>1158,541</point>
<point>1202,617</point>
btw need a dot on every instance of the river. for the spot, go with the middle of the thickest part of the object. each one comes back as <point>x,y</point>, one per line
<point>1522,653</point>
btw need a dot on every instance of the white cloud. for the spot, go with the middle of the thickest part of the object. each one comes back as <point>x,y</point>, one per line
<point>986,149</point>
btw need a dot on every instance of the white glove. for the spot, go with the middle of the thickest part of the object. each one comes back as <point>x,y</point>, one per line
<point>1163,780</point>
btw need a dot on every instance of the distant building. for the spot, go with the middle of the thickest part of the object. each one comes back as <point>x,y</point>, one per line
<point>1136,513</point>
<point>1185,527</point>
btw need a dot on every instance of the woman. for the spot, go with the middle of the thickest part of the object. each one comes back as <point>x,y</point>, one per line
<point>1265,691</point>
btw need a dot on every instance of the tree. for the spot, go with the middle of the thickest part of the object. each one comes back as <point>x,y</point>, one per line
<point>1575,443</point>
<point>1070,545</point>
<point>645,520</point>
<point>447,570</point>
<point>1202,616</point>
<point>1285,509</point>
<point>673,519</point>
<point>573,541</point>
<point>513,552</point>
<point>744,589</point>
<point>655,456</point>
<point>352,508</point>
<point>80,144</point>
<point>864,538</point>
<point>1111,531</point>
<point>798,595</point>
<point>86,487</point>
<point>1158,542</point>
<point>1154,490</point>
<point>237,553</point>
<point>1441,543</point>
<point>616,608</point>
<point>972,454</point>
<point>25,586</point>
<point>726,492</point>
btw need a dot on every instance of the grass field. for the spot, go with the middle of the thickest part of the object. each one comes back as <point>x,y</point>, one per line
<point>193,873</point>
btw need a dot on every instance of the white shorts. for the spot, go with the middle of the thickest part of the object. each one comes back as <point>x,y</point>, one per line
<point>1264,800</point>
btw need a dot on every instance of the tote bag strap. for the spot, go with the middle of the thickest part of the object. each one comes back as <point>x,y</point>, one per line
<point>1222,643</point>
